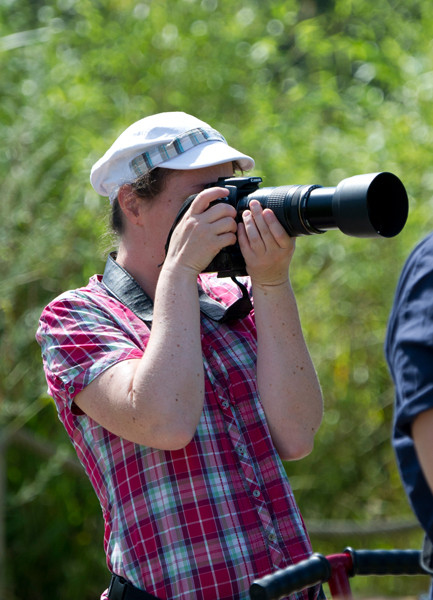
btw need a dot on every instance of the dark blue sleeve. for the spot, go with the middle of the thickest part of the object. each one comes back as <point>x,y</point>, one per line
<point>409,342</point>
<point>409,353</point>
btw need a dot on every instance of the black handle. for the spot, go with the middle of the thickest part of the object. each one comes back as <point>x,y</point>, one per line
<point>386,562</point>
<point>295,578</point>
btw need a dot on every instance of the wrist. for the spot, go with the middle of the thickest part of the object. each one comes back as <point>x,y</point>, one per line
<point>178,271</point>
<point>177,277</point>
<point>274,294</point>
<point>271,285</point>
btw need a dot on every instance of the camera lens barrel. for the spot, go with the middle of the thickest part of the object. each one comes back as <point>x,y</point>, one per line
<point>369,205</point>
<point>288,202</point>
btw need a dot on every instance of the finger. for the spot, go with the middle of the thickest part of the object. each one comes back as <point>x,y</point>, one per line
<point>202,201</point>
<point>260,223</point>
<point>226,239</point>
<point>251,230</point>
<point>224,225</point>
<point>278,232</point>
<point>271,230</point>
<point>243,239</point>
<point>221,210</point>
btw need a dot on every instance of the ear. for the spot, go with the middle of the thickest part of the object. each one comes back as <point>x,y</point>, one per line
<point>131,204</point>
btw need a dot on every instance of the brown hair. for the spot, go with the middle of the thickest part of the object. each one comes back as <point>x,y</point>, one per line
<point>148,186</point>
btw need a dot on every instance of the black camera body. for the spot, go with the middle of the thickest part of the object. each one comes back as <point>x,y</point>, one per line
<point>368,205</point>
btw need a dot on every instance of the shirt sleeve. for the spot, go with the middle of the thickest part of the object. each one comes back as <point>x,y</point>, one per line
<point>409,341</point>
<point>79,340</point>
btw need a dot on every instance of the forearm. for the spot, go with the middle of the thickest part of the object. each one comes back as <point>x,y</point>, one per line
<point>287,381</point>
<point>169,379</point>
<point>422,433</point>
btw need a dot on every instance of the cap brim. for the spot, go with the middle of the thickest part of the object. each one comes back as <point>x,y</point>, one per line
<point>208,154</point>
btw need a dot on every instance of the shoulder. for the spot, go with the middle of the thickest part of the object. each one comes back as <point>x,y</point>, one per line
<point>92,298</point>
<point>410,324</point>
<point>415,283</point>
<point>84,331</point>
<point>88,313</point>
<point>419,265</point>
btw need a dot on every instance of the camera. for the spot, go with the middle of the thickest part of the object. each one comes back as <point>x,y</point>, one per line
<point>368,205</point>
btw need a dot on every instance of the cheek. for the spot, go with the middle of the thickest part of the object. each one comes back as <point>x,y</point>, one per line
<point>166,219</point>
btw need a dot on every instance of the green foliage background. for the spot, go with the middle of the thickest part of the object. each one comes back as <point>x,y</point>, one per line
<point>316,91</point>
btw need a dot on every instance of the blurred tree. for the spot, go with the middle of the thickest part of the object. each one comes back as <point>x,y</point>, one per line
<point>315,91</point>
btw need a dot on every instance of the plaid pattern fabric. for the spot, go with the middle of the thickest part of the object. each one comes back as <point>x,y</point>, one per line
<point>162,152</point>
<point>197,523</point>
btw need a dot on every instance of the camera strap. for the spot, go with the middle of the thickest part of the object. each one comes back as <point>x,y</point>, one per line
<point>178,218</point>
<point>122,286</point>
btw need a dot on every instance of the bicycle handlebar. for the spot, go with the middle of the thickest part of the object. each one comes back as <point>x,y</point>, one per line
<point>295,578</point>
<point>318,569</point>
<point>385,562</point>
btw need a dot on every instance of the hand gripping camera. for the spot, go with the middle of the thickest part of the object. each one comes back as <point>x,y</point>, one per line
<point>369,205</point>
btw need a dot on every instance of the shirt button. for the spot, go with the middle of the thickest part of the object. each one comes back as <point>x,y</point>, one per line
<point>272,537</point>
<point>225,404</point>
<point>71,389</point>
<point>256,493</point>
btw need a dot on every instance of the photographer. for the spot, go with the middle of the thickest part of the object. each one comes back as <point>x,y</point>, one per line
<point>180,395</point>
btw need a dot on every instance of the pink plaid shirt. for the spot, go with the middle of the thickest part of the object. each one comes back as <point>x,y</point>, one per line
<point>198,523</point>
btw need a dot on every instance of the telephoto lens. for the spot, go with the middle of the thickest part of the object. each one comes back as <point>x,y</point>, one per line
<point>369,205</point>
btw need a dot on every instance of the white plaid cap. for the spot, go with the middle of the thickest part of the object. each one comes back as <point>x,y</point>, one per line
<point>174,140</point>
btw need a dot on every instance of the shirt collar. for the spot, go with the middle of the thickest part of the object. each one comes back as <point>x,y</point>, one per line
<point>120,284</point>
